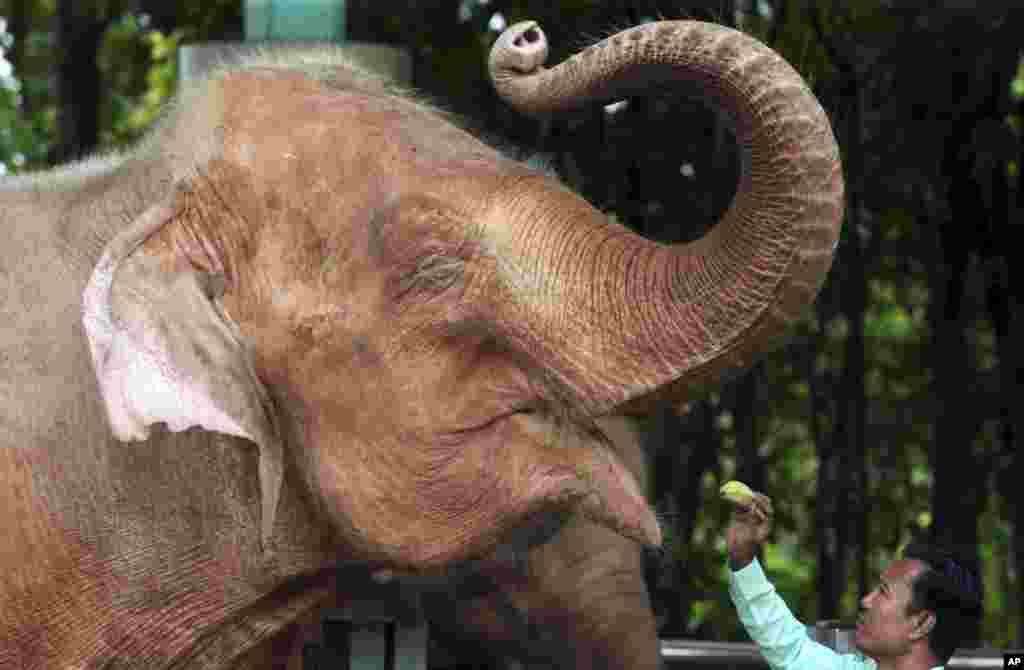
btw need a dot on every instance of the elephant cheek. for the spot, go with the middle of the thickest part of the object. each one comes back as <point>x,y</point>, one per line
<point>417,508</point>
<point>418,505</point>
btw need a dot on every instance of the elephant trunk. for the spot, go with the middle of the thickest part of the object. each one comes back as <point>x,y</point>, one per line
<point>620,316</point>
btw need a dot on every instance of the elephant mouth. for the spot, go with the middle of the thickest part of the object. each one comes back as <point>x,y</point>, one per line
<point>574,469</point>
<point>617,501</point>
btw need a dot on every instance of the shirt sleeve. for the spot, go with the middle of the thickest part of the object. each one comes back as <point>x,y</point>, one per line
<point>782,639</point>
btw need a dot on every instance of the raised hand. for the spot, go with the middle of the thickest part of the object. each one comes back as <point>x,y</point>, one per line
<point>750,525</point>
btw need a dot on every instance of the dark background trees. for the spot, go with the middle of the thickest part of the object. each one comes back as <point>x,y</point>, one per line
<point>893,409</point>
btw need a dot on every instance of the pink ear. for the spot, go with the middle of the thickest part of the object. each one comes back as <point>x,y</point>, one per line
<point>163,351</point>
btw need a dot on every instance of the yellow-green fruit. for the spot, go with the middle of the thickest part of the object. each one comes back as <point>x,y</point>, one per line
<point>736,492</point>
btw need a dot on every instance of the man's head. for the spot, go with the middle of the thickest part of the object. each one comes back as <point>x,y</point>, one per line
<point>924,603</point>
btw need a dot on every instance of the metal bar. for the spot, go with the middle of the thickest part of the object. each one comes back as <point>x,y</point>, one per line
<point>680,652</point>
<point>686,652</point>
<point>386,627</point>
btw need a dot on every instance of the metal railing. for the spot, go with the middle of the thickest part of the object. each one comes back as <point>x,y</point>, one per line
<point>692,654</point>
<point>383,628</point>
<point>381,645</point>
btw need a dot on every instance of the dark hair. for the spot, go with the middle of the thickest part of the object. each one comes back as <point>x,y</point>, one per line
<point>949,587</point>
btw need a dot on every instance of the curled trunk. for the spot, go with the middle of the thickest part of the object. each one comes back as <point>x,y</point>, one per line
<point>621,316</point>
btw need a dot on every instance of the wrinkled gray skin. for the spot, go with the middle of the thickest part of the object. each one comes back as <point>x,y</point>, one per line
<point>309,322</point>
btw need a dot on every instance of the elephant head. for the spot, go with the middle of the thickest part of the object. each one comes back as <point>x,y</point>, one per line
<point>422,331</point>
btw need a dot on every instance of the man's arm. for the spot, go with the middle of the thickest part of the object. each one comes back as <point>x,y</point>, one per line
<point>782,639</point>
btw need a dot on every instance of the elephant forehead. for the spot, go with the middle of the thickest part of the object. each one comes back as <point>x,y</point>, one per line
<point>295,128</point>
<point>316,160</point>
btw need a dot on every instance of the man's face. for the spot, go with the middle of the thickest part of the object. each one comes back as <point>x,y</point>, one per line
<point>884,628</point>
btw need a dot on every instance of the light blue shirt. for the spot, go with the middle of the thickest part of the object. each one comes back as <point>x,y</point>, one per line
<point>782,639</point>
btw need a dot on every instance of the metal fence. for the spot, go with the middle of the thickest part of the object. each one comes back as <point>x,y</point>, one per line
<point>697,655</point>
<point>383,628</point>
<point>377,650</point>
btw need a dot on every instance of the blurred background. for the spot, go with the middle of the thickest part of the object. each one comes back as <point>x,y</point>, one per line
<point>894,410</point>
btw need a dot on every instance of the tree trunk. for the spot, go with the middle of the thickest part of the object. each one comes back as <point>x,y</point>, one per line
<point>1011,363</point>
<point>825,486</point>
<point>977,193</point>
<point>19,27</point>
<point>855,509</point>
<point>1003,301</point>
<point>1004,306</point>
<point>79,83</point>
<point>684,448</point>
<point>1012,393</point>
<point>958,496</point>
<point>844,466</point>
<point>749,464</point>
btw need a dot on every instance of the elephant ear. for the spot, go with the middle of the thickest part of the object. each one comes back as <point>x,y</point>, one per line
<point>164,351</point>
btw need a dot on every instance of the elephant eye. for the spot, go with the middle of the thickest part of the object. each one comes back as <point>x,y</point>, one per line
<point>433,274</point>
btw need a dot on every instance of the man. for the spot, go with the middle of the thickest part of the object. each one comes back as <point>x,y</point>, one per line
<point>913,620</point>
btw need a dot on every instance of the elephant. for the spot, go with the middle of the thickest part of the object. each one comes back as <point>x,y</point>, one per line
<point>309,321</point>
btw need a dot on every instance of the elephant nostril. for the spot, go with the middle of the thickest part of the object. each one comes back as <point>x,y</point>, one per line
<point>531,36</point>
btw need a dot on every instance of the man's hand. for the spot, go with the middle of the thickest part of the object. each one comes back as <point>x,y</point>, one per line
<point>750,526</point>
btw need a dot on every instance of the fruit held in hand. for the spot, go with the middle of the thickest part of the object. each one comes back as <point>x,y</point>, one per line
<point>736,492</point>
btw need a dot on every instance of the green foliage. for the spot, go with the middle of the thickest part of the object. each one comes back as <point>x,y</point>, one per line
<point>22,140</point>
<point>1000,587</point>
<point>1017,87</point>
<point>139,92</point>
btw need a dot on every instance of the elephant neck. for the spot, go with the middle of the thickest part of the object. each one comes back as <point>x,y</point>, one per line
<point>76,210</point>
